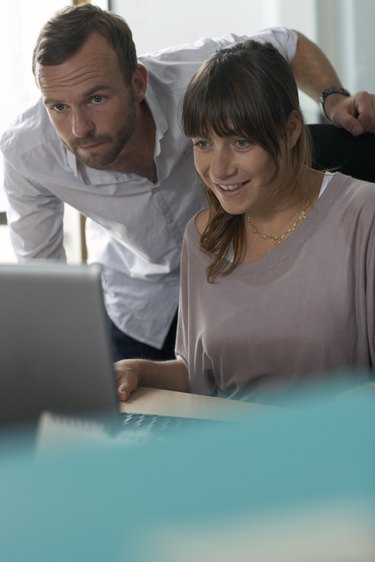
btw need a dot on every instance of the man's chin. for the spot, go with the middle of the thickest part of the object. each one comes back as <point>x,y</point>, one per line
<point>99,162</point>
<point>100,157</point>
<point>89,161</point>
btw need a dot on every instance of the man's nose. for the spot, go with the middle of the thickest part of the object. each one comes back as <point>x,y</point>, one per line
<point>82,125</point>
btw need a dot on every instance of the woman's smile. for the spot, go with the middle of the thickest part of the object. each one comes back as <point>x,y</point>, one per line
<point>232,186</point>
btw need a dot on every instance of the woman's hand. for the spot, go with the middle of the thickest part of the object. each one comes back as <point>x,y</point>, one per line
<point>127,376</point>
<point>132,373</point>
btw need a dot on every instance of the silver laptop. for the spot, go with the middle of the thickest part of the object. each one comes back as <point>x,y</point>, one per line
<point>55,352</point>
<point>54,344</point>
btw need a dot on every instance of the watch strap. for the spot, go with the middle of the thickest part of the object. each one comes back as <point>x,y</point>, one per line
<point>327,92</point>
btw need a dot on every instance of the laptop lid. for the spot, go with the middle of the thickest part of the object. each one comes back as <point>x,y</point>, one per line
<point>54,342</point>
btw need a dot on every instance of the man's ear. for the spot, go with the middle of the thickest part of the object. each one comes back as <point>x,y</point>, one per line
<point>139,83</point>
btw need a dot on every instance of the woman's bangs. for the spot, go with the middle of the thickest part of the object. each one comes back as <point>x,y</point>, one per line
<point>221,115</point>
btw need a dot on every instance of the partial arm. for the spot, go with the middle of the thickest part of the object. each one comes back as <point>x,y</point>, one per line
<point>35,217</point>
<point>168,375</point>
<point>314,73</point>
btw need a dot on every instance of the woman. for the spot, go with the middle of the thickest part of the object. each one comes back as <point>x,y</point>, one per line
<point>278,274</point>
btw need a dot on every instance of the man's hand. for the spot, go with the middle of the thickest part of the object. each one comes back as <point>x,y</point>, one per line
<point>314,73</point>
<point>356,113</point>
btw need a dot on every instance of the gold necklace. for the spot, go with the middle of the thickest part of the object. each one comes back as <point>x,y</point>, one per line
<point>279,237</point>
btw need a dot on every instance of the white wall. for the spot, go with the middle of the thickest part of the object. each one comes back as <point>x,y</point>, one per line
<point>346,34</point>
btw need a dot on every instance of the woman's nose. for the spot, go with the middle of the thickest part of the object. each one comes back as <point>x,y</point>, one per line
<point>222,164</point>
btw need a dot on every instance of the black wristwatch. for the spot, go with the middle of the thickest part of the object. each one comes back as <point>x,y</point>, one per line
<point>327,92</point>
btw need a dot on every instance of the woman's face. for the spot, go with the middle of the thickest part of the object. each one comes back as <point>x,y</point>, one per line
<point>234,169</point>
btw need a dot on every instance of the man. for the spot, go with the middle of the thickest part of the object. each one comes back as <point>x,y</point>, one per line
<point>105,138</point>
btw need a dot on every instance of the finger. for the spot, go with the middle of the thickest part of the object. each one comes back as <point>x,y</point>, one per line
<point>357,129</point>
<point>364,104</point>
<point>348,122</point>
<point>123,392</point>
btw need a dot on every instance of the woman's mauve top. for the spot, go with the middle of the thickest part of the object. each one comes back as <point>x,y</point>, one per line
<point>302,312</point>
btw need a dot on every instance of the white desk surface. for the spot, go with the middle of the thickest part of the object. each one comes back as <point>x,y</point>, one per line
<point>166,402</point>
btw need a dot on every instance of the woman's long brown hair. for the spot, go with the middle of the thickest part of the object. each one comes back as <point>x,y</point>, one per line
<point>247,90</point>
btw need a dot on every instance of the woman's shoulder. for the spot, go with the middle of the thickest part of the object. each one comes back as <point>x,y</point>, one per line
<point>360,190</point>
<point>201,220</point>
<point>198,222</point>
<point>192,237</point>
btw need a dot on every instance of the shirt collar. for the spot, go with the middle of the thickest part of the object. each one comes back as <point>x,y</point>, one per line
<point>160,120</point>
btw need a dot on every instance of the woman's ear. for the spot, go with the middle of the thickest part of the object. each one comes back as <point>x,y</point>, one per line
<point>293,128</point>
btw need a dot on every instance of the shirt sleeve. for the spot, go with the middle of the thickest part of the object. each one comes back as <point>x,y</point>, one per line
<point>35,218</point>
<point>178,64</point>
<point>283,39</point>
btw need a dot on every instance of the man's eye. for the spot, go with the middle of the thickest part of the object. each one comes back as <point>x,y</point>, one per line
<point>97,99</point>
<point>58,107</point>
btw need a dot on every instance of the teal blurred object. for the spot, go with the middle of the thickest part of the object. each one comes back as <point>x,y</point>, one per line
<point>137,503</point>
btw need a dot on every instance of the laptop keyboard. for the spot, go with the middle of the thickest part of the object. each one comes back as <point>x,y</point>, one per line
<point>140,427</point>
<point>162,423</point>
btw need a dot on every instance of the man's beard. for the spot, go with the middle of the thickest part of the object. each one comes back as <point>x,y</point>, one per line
<point>116,143</point>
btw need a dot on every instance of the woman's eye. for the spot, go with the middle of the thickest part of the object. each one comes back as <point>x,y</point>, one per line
<point>242,143</point>
<point>200,143</point>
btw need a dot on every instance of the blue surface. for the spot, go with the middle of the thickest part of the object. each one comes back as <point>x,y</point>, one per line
<point>95,503</point>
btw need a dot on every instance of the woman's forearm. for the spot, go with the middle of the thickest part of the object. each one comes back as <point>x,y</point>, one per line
<point>170,375</point>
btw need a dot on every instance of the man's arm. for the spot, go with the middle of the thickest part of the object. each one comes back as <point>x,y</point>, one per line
<point>35,218</point>
<point>314,73</point>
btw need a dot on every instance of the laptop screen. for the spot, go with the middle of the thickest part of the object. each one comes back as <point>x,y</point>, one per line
<point>54,344</point>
